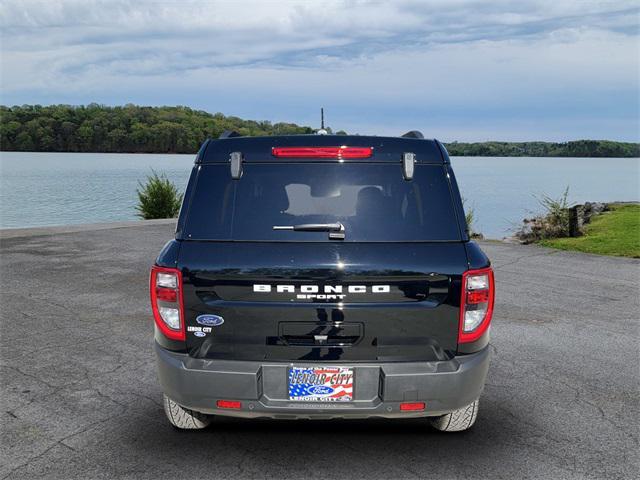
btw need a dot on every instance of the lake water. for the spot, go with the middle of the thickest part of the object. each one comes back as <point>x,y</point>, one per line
<point>38,189</point>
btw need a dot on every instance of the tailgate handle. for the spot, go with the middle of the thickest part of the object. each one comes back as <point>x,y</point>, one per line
<point>325,340</point>
<point>312,334</point>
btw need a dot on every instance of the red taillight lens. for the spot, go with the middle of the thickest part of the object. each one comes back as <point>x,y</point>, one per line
<point>476,304</point>
<point>322,152</point>
<point>165,286</point>
<point>412,406</point>
<point>230,404</point>
<point>166,294</point>
<point>481,296</point>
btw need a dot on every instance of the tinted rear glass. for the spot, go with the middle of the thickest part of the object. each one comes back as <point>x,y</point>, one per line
<point>371,200</point>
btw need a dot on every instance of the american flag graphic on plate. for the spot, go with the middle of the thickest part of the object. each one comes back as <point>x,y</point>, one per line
<point>321,384</point>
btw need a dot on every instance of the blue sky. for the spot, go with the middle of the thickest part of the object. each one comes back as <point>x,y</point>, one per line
<point>456,70</point>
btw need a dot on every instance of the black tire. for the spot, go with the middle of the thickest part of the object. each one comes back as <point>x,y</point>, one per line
<point>183,418</point>
<point>458,420</point>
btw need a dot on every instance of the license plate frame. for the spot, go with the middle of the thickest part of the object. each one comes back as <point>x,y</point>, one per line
<point>328,384</point>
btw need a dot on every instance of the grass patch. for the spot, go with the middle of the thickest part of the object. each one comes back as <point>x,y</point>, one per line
<point>616,232</point>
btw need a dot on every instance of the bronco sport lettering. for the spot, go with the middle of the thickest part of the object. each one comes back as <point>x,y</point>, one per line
<point>329,292</point>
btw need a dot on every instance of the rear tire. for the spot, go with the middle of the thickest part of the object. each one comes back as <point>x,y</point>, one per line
<point>458,420</point>
<point>184,418</point>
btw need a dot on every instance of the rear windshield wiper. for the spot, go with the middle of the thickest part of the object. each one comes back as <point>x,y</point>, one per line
<point>336,230</point>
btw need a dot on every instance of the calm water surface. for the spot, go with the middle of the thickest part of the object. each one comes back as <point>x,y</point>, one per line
<point>38,189</point>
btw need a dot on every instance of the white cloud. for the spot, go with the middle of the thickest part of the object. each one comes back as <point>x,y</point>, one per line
<point>431,59</point>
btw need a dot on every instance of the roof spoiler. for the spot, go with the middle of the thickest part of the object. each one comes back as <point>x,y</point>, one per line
<point>229,134</point>
<point>414,134</point>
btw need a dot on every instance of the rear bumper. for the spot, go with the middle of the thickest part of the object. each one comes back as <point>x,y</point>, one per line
<point>379,387</point>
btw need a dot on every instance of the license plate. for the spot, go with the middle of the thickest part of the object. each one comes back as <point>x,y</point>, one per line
<point>321,384</point>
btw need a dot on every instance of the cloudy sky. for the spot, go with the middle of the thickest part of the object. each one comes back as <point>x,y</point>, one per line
<point>457,70</point>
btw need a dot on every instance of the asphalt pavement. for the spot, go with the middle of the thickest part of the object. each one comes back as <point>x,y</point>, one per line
<point>79,395</point>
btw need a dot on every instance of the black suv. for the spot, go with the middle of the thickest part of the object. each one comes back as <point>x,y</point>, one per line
<point>322,276</point>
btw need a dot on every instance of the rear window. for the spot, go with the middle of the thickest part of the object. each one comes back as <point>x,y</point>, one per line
<point>371,200</point>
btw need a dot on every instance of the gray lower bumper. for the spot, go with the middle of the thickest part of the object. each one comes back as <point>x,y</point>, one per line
<point>378,390</point>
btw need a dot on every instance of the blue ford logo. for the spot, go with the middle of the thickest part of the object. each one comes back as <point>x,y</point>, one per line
<point>210,320</point>
<point>199,334</point>
<point>320,390</point>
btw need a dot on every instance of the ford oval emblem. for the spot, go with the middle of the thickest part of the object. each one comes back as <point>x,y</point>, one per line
<point>210,320</point>
<point>199,334</point>
<point>320,390</point>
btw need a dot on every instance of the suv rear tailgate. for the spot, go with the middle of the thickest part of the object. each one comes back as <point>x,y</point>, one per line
<point>323,301</point>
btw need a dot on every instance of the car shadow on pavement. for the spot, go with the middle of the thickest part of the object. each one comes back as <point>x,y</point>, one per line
<point>374,448</point>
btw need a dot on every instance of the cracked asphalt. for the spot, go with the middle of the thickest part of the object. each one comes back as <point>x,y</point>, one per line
<point>80,399</point>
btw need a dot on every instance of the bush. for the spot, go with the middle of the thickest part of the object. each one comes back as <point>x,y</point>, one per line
<point>469,217</point>
<point>158,198</point>
<point>553,223</point>
<point>557,215</point>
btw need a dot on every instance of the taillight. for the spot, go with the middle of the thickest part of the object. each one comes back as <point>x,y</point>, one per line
<point>166,301</point>
<point>476,304</point>
<point>322,152</point>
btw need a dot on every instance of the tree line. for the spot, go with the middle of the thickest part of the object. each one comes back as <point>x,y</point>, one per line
<point>577,148</point>
<point>137,129</point>
<point>127,129</point>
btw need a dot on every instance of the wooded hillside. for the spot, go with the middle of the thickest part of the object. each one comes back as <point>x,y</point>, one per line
<point>136,129</point>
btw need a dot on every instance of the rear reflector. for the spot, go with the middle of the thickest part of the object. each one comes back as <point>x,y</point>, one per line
<point>411,406</point>
<point>322,152</point>
<point>230,404</point>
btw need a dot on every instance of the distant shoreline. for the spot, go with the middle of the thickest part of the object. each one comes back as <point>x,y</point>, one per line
<point>194,153</point>
<point>130,128</point>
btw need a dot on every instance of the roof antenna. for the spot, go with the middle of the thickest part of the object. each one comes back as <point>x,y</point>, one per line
<point>322,131</point>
